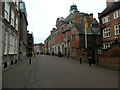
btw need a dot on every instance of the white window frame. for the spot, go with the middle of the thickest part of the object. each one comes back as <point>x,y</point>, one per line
<point>106,19</point>
<point>107,45</point>
<point>7,11</point>
<point>5,42</point>
<point>15,45</point>
<point>16,24</point>
<point>117,29</point>
<point>12,18</point>
<point>11,44</point>
<point>116,14</point>
<point>106,32</point>
<point>17,5</point>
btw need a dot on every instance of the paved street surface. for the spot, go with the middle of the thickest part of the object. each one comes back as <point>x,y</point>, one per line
<point>58,72</point>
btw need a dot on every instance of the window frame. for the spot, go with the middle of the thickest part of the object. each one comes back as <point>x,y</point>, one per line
<point>117,30</point>
<point>7,11</point>
<point>116,14</point>
<point>16,23</point>
<point>74,37</point>
<point>11,44</point>
<point>16,45</point>
<point>107,45</point>
<point>5,42</point>
<point>106,33</point>
<point>17,5</point>
<point>12,18</point>
<point>106,19</point>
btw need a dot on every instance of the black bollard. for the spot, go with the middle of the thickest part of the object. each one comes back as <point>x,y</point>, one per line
<point>80,60</point>
<point>89,61</point>
<point>30,61</point>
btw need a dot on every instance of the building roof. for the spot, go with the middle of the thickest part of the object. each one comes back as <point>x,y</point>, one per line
<point>110,8</point>
<point>79,28</point>
<point>69,18</point>
<point>94,21</point>
<point>90,31</point>
<point>23,10</point>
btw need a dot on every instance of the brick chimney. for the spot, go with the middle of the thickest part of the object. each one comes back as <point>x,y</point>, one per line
<point>109,2</point>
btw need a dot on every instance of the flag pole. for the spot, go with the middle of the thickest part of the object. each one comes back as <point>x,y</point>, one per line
<point>85,33</point>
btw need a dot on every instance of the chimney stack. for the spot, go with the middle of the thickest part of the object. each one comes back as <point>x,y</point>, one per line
<point>109,2</point>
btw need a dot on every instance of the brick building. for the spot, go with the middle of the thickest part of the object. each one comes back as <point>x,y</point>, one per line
<point>23,31</point>
<point>30,43</point>
<point>110,29</point>
<point>39,48</point>
<point>68,38</point>
<point>10,33</point>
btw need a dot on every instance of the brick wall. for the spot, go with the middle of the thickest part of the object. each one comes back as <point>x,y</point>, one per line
<point>110,56</point>
<point>109,60</point>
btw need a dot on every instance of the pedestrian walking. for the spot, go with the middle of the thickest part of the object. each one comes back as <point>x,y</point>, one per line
<point>30,61</point>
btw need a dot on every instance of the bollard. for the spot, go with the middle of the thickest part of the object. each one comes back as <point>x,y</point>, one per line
<point>89,61</point>
<point>80,60</point>
<point>30,61</point>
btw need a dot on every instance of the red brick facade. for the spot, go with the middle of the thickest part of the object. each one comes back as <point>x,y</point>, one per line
<point>110,53</point>
<point>68,38</point>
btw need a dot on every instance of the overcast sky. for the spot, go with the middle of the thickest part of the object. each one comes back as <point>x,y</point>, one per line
<point>42,14</point>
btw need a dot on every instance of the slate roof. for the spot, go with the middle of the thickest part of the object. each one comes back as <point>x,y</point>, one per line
<point>94,21</point>
<point>69,18</point>
<point>110,8</point>
<point>95,30</point>
<point>90,31</point>
<point>79,28</point>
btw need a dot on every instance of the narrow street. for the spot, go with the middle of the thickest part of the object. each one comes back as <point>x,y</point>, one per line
<point>58,72</point>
